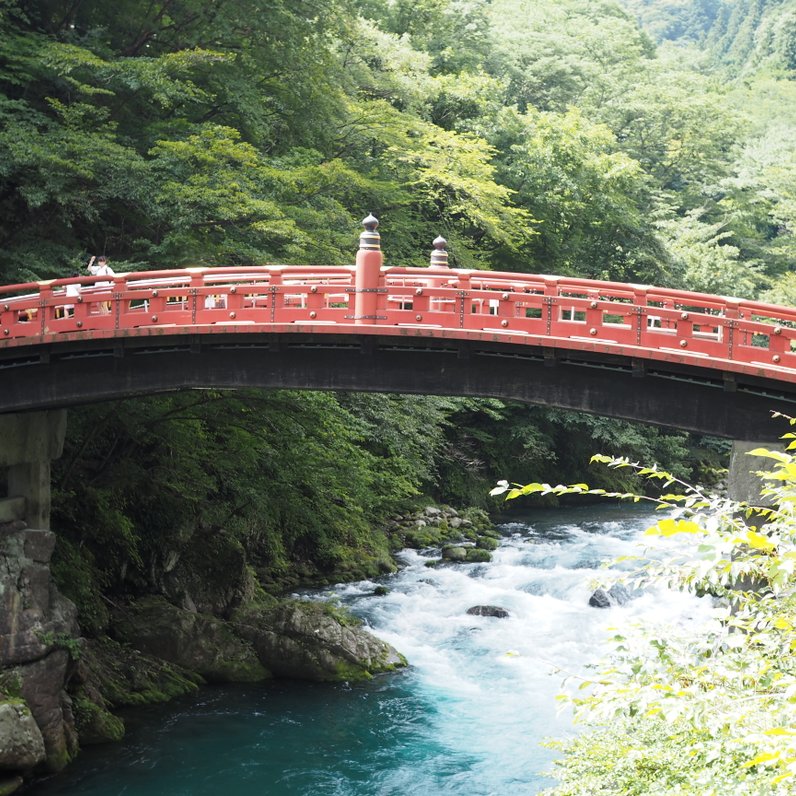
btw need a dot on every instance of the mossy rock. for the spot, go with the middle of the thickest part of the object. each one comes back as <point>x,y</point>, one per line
<point>347,564</point>
<point>95,724</point>
<point>125,676</point>
<point>364,567</point>
<point>22,746</point>
<point>454,553</point>
<point>487,543</point>
<point>316,641</point>
<point>10,686</point>
<point>479,519</point>
<point>417,540</point>
<point>477,556</point>
<point>196,642</point>
<point>10,783</point>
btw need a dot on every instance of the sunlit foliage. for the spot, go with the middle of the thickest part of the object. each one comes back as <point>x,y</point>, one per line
<point>699,709</point>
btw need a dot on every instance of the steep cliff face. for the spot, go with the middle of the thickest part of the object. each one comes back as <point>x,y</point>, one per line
<point>38,629</point>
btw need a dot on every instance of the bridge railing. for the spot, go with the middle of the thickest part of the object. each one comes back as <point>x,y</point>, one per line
<point>555,312</point>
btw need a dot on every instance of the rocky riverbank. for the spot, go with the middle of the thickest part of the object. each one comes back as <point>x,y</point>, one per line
<point>38,634</point>
<point>59,691</point>
<point>210,622</point>
<point>466,536</point>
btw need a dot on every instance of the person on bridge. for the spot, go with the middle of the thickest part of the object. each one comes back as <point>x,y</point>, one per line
<point>101,269</point>
<point>72,292</point>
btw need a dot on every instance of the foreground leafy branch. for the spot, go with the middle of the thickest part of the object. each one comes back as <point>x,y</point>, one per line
<point>708,709</point>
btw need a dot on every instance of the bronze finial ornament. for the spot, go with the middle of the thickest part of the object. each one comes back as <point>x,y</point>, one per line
<point>439,254</point>
<point>370,238</point>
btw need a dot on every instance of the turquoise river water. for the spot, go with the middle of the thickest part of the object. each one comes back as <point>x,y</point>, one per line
<point>466,718</point>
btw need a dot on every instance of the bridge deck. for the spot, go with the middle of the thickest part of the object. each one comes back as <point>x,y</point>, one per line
<point>713,332</point>
<point>718,340</point>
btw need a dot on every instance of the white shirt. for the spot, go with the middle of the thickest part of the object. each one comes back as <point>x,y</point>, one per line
<point>101,270</point>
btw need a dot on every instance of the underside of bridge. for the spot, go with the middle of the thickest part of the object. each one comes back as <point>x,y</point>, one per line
<point>670,395</point>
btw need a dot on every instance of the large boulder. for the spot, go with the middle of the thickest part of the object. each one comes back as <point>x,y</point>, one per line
<point>607,598</point>
<point>467,554</point>
<point>113,675</point>
<point>21,742</point>
<point>454,553</point>
<point>38,636</point>
<point>34,616</point>
<point>110,675</point>
<point>95,723</point>
<point>197,642</point>
<point>41,685</point>
<point>313,641</point>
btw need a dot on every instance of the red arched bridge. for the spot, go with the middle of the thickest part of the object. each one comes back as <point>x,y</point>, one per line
<point>680,359</point>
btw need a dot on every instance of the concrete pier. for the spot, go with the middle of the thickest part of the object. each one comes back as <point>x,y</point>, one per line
<point>29,441</point>
<point>743,483</point>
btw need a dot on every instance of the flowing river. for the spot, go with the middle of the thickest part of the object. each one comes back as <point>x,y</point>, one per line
<point>466,718</point>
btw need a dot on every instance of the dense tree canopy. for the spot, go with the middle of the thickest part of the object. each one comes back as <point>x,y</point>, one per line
<point>534,136</point>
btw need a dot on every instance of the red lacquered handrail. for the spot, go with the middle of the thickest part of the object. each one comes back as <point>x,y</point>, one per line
<point>638,321</point>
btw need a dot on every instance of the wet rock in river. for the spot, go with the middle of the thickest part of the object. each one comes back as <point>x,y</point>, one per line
<point>454,553</point>
<point>606,598</point>
<point>316,641</point>
<point>488,610</point>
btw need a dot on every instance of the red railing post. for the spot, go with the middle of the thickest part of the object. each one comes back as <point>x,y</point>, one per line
<point>594,315</point>
<point>640,312</point>
<point>45,308</point>
<point>464,306</point>
<point>550,301</point>
<point>118,304</point>
<point>195,297</point>
<point>277,298</point>
<point>368,273</point>
<point>727,332</point>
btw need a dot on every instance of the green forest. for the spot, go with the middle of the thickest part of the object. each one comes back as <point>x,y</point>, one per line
<point>648,141</point>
